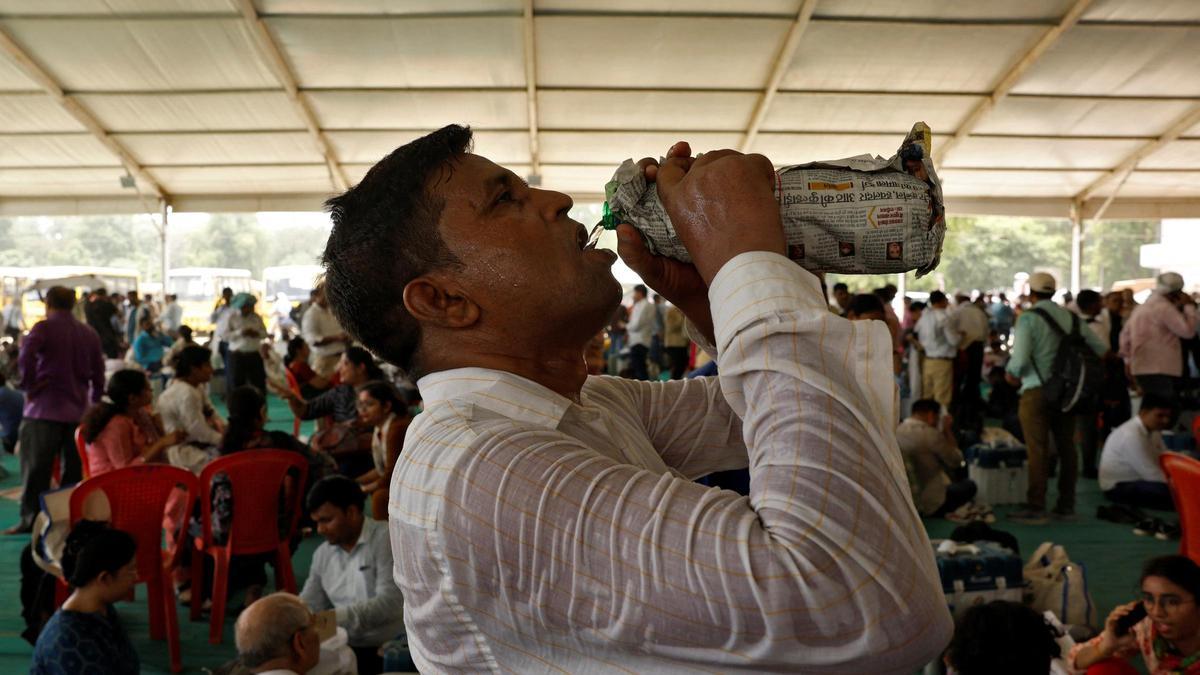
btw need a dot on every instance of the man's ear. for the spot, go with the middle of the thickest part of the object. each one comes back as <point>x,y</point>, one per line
<point>436,300</point>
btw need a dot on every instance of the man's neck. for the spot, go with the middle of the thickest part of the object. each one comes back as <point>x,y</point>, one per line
<point>350,543</point>
<point>562,371</point>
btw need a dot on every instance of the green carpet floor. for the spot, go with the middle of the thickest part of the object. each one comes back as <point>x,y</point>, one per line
<point>1112,553</point>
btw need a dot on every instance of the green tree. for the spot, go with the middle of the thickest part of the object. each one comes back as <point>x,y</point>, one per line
<point>229,240</point>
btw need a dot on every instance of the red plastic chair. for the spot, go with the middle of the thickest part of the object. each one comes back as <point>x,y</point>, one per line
<point>257,477</point>
<point>137,497</point>
<point>81,447</point>
<point>294,387</point>
<point>1183,475</point>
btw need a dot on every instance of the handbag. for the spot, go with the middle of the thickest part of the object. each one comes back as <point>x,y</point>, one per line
<point>1056,584</point>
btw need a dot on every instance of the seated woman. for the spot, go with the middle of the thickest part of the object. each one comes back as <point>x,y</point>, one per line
<point>85,635</point>
<point>150,345</point>
<point>1168,637</point>
<point>184,341</point>
<point>120,430</point>
<point>311,384</point>
<point>380,408</point>
<point>184,406</point>
<point>347,440</point>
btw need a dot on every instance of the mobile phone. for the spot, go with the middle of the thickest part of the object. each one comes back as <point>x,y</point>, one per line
<point>1127,622</point>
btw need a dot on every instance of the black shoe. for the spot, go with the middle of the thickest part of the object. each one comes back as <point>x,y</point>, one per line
<point>19,528</point>
<point>1166,531</point>
<point>1148,527</point>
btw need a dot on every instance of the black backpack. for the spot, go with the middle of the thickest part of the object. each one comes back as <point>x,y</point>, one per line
<point>1077,373</point>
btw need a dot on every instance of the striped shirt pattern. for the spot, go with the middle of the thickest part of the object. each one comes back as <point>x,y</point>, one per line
<point>534,534</point>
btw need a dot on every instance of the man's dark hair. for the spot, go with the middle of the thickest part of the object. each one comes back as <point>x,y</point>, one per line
<point>60,298</point>
<point>190,358</point>
<point>926,405</point>
<point>337,490</point>
<point>865,303</point>
<point>937,297</point>
<point>1155,401</point>
<point>840,286</point>
<point>641,288</point>
<point>226,291</point>
<point>917,306</point>
<point>1001,638</point>
<point>1087,299</point>
<point>385,234</point>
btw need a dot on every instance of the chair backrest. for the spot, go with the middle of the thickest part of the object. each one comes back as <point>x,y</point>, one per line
<point>1183,475</point>
<point>81,448</point>
<point>257,477</point>
<point>137,498</point>
<point>294,387</point>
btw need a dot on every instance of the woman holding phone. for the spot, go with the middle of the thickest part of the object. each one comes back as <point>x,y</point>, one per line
<point>1164,626</point>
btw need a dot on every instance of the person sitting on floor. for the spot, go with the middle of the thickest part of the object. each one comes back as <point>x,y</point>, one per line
<point>278,635</point>
<point>184,405</point>
<point>121,429</point>
<point>1129,470</point>
<point>348,441</point>
<point>381,408</point>
<point>1003,638</point>
<point>1168,638</point>
<point>934,459</point>
<point>85,635</point>
<point>311,384</point>
<point>351,571</point>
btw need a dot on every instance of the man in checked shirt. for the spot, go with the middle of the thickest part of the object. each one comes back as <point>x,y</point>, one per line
<point>546,521</point>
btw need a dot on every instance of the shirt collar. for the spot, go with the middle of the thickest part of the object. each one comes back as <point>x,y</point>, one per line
<point>501,392</point>
<point>365,534</point>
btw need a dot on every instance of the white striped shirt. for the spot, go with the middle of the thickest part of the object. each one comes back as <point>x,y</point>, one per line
<point>532,534</point>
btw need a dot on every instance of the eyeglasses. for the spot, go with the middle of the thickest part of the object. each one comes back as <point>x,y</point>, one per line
<point>1170,603</point>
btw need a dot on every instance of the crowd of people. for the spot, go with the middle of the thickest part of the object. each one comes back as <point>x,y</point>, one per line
<point>532,515</point>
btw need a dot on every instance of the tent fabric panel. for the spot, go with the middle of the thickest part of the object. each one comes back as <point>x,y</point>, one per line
<point>154,149</point>
<point>610,51</point>
<point>1082,117</point>
<point>1019,184</point>
<point>244,179</point>
<point>858,55</point>
<point>141,54</point>
<point>426,109</point>
<point>34,112</point>
<point>59,150</point>
<point>1118,60</point>
<point>579,179</point>
<point>13,78</point>
<point>1159,184</point>
<point>1040,153</point>
<point>630,110</point>
<point>867,112</point>
<point>402,52</point>
<point>207,111</point>
<point>764,7</point>
<point>368,147</point>
<point>1143,10</point>
<point>27,181</point>
<point>786,149</point>
<point>385,6</point>
<point>99,7</point>
<point>1184,154</point>
<point>613,147</point>
<point>939,10</point>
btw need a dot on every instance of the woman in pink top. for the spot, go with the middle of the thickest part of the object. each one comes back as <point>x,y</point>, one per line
<point>120,430</point>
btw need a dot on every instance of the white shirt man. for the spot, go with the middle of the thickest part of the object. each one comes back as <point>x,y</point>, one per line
<point>320,329</point>
<point>643,318</point>
<point>971,321</point>
<point>238,325</point>
<point>172,316</point>
<point>600,490</point>
<point>939,341</point>
<point>1129,468</point>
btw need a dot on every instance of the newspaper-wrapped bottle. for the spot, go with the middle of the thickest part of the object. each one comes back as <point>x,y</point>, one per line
<point>861,215</point>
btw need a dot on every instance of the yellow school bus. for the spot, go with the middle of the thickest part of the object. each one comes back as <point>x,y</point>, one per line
<point>198,288</point>
<point>27,285</point>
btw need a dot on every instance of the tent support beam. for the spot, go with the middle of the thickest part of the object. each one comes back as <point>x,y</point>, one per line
<point>783,61</point>
<point>535,162</point>
<point>275,61</point>
<point>1011,77</point>
<point>1076,246</point>
<point>164,260</point>
<point>54,90</point>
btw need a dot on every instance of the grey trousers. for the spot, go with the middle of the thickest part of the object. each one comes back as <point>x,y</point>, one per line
<point>41,442</point>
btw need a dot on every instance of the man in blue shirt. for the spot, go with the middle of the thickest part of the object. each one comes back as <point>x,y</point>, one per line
<point>1034,346</point>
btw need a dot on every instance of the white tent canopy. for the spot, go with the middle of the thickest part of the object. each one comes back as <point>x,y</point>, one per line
<point>268,105</point>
